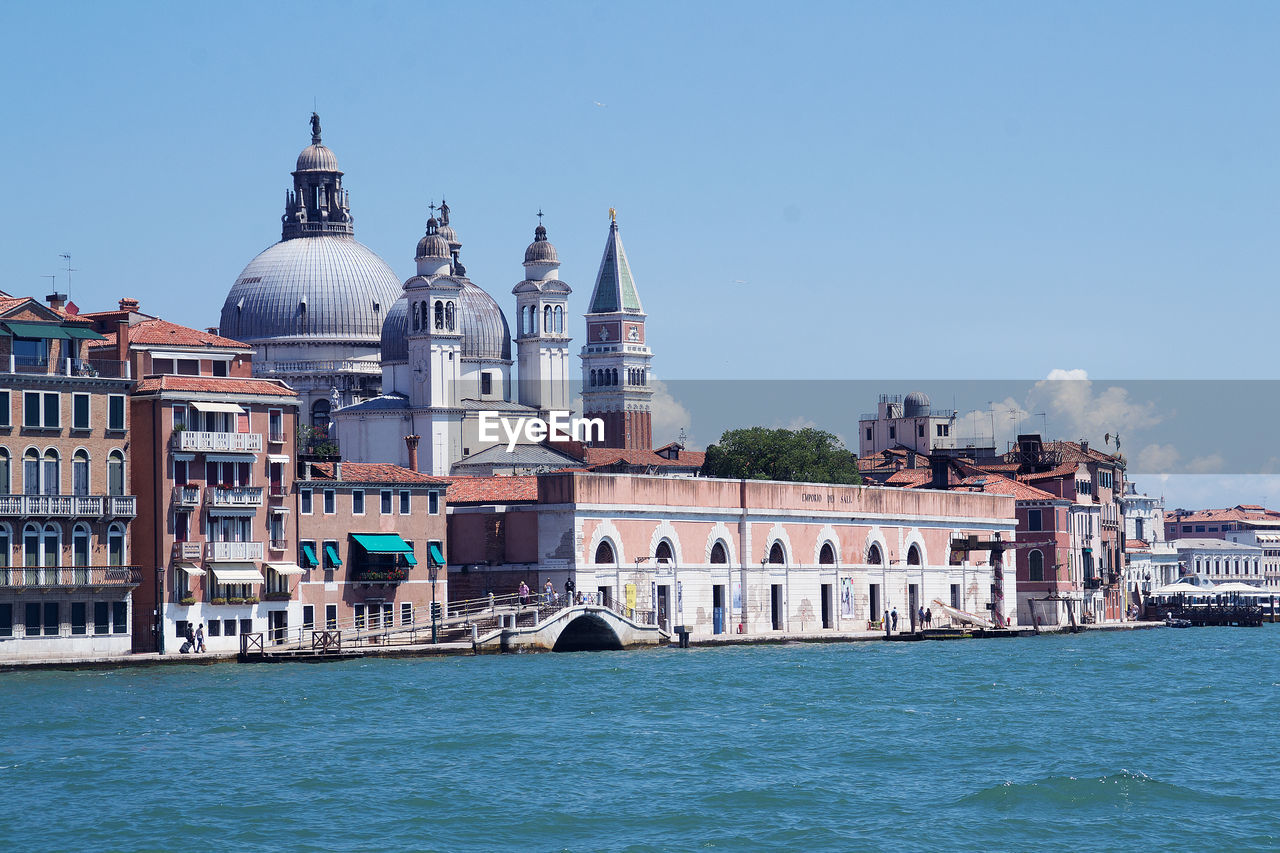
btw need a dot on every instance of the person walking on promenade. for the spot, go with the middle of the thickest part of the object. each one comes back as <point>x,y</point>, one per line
<point>928,617</point>
<point>569,588</point>
<point>893,615</point>
<point>548,590</point>
<point>200,638</point>
<point>920,616</point>
<point>524,593</point>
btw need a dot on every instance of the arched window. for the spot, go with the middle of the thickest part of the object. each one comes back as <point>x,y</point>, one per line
<point>52,545</point>
<point>614,379</point>
<point>31,472</point>
<point>559,318</point>
<point>425,307</point>
<point>439,314</point>
<point>414,310</point>
<point>4,471</point>
<point>6,552</point>
<point>663,552</point>
<point>546,318</point>
<point>874,557</point>
<point>719,554</point>
<point>913,556</point>
<point>448,316</point>
<point>604,554</point>
<point>80,473</point>
<point>31,552</point>
<point>115,545</point>
<point>52,473</point>
<point>593,379</point>
<point>777,556</point>
<point>80,545</point>
<point>115,473</point>
<point>320,416</point>
<point>1035,566</point>
<point>827,556</point>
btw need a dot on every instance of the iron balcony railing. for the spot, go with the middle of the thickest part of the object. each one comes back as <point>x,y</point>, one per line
<point>233,551</point>
<point>69,506</point>
<point>233,495</point>
<point>69,576</point>
<point>246,442</point>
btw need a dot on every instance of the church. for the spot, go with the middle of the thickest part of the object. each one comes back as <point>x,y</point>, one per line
<point>407,373</point>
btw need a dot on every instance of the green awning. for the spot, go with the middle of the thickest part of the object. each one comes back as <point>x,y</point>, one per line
<point>331,551</point>
<point>436,556</point>
<point>36,330</point>
<point>410,559</point>
<point>309,555</point>
<point>382,543</point>
<point>79,332</point>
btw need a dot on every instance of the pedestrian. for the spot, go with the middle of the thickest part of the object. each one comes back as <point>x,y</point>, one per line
<point>569,588</point>
<point>893,616</point>
<point>190,645</point>
<point>920,616</point>
<point>524,593</point>
<point>548,590</point>
<point>200,637</point>
<point>928,616</point>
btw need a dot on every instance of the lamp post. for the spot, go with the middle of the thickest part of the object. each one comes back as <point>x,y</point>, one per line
<point>432,572</point>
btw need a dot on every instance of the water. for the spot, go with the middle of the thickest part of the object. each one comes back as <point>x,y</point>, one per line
<point>1113,741</point>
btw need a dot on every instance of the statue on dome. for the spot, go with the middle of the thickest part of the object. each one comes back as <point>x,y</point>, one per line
<point>315,129</point>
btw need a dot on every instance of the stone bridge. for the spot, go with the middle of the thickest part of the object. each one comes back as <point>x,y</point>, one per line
<point>584,627</point>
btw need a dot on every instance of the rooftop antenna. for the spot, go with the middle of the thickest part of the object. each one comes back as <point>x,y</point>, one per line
<point>66,256</point>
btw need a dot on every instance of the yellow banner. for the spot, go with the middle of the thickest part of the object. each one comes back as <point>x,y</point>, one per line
<point>631,596</point>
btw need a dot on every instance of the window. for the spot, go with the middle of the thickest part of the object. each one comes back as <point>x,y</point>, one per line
<point>307,554</point>
<point>275,425</point>
<point>80,473</point>
<point>100,614</point>
<point>331,558</point>
<point>246,626</point>
<point>331,617</point>
<point>229,628</point>
<point>913,556</point>
<point>4,409</point>
<point>1199,528</point>
<point>220,368</point>
<point>80,545</point>
<point>385,496</point>
<point>41,410</point>
<point>215,627</point>
<point>404,503</point>
<point>359,608</point>
<point>79,618</point>
<point>719,555</point>
<point>79,411</point>
<point>893,432</point>
<point>304,497</point>
<point>874,557</point>
<point>776,554</point>
<point>920,431</point>
<point>52,473</point>
<point>357,501</point>
<point>868,433</point>
<point>6,619</point>
<point>115,545</point>
<point>4,471</point>
<point>119,617</point>
<point>406,613</point>
<point>1034,521</point>
<point>1035,566</point>
<point>115,473</point>
<point>330,502</point>
<point>308,617</point>
<point>604,554</point>
<point>275,472</point>
<point>486,382</point>
<point>115,412</point>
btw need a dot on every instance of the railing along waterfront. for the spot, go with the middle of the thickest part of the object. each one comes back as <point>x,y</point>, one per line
<point>247,442</point>
<point>69,576</point>
<point>68,506</point>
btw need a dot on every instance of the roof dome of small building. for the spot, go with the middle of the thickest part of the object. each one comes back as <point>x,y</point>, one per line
<point>395,333</point>
<point>324,287</point>
<point>317,158</point>
<point>432,245</point>
<point>916,405</point>
<point>541,251</point>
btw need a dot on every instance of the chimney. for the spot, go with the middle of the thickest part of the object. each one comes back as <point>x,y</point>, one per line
<point>337,470</point>
<point>941,470</point>
<point>1084,446</point>
<point>122,339</point>
<point>128,304</point>
<point>56,300</point>
<point>911,460</point>
<point>411,441</point>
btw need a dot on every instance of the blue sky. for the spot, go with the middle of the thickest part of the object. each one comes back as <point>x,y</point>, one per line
<point>847,190</point>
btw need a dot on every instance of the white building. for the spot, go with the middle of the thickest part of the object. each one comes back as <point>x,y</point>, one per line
<point>908,423</point>
<point>1151,561</point>
<point>1219,561</point>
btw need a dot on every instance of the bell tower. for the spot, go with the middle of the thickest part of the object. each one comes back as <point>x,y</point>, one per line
<point>615,358</point>
<point>435,351</point>
<point>542,339</point>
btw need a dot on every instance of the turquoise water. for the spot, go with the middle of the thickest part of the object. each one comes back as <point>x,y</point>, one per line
<point>1121,741</point>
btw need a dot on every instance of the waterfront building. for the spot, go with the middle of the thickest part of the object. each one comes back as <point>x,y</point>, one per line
<point>724,556</point>
<point>312,305</point>
<point>212,449</point>
<point>1151,561</point>
<point>371,547</point>
<point>1248,524</point>
<point>67,573</point>
<point>1218,561</point>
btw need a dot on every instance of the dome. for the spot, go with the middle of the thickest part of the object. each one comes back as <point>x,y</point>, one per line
<point>317,158</point>
<point>916,405</point>
<point>432,245</point>
<point>485,334</point>
<point>541,251</point>
<point>325,287</point>
<point>395,333</point>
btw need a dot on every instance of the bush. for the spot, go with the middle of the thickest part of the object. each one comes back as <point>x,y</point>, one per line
<point>188,601</point>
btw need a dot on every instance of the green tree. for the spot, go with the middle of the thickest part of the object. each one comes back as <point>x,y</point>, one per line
<point>803,456</point>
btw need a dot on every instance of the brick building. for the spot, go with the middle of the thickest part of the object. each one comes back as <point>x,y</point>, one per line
<point>66,512</point>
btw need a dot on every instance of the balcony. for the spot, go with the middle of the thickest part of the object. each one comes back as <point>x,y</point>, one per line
<point>380,575</point>
<point>217,442</point>
<point>233,495</point>
<point>244,551</point>
<point>186,495</point>
<point>69,506</point>
<point>279,545</point>
<point>187,551</point>
<point>49,577</point>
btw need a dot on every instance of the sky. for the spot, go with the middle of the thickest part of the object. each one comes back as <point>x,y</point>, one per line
<point>844,191</point>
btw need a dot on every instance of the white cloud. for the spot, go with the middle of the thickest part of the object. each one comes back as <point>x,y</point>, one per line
<point>669,416</point>
<point>1161,459</point>
<point>1211,464</point>
<point>1077,410</point>
<point>1003,418</point>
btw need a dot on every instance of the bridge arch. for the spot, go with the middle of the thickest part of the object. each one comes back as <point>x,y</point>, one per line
<point>587,632</point>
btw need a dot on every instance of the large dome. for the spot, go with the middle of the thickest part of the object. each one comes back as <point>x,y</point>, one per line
<point>485,334</point>
<point>315,288</point>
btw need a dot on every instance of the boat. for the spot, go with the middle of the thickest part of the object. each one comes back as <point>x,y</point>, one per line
<point>1170,622</point>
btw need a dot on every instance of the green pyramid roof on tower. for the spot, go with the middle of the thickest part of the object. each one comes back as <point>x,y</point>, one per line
<point>615,288</point>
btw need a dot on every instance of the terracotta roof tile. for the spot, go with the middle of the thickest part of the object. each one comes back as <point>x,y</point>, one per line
<point>215,385</point>
<point>477,490</point>
<point>157,332</point>
<point>374,472</point>
<point>596,456</point>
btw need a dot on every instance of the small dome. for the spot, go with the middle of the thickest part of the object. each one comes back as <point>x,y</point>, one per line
<point>916,405</point>
<point>317,158</point>
<point>450,236</point>
<point>541,251</point>
<point>395,333</point>
<point>433,245</point>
